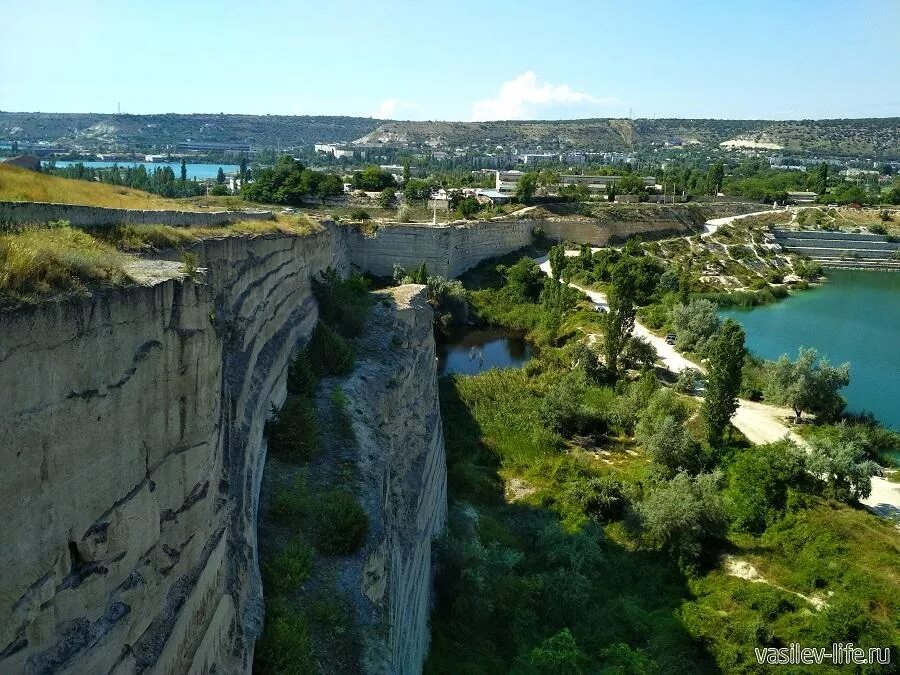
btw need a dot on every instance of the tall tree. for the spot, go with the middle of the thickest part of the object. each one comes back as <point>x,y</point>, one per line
<point>715,177</point>
<point>618,322</point>
<point>220,176</point>
<point>822,178</point>
<point>525,187</point>
<point>406,172</point>
<point>183,171</point>
<point>726,361</point>
<point>243,169</point>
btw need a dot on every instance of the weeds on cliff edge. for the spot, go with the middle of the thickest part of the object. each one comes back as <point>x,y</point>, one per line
<point>36,262</point>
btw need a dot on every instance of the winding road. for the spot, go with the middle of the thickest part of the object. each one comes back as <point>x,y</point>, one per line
<point>760,422</point>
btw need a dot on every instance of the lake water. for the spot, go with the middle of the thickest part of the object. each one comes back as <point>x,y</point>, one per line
<point>854,318</point>
<point>474,351</point>
<point>194,171</point>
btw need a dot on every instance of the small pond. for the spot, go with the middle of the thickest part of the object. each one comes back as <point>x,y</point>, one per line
<point>475,350</point>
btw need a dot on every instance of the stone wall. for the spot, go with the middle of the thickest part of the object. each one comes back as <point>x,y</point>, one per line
<point>130,439</point>
<point>29,213</point>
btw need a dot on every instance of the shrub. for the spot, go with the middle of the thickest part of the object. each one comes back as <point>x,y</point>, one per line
<point>684,514</point>
<point>285,647</point>
<point>601,497</point>
<point>290,568</point>
<point>360,215</point>
<point>342,302</point>
<point>329,353</point>
<point>341,525</point>
<point>290,503</point>
<point>341,417</point>
<point>687,381</point>
<point>386,198</point>
<point>758,483</point>
<point>301,379</point>
<point>293,432</point>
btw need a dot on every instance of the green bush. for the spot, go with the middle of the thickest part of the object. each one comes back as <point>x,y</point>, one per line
<point>301,379</point>
<point>291,567</point>
<point>290,503</point>
<point>341,525</point>
<point>285,647</point>
<point>758,483</point>
<point>293,431</point>
<point>601,497</point>
<point>342,302</point>
<point>329,353</point>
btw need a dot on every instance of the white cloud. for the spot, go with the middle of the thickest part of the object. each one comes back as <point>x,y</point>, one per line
<point>518,98</point>
<point>390,108</point>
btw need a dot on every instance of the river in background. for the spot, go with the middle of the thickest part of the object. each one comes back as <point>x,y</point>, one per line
<point>854,318</point>
<point>194,171</point>
<point>473,351</point>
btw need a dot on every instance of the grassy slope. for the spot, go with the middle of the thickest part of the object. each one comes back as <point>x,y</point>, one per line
<point>17,184</point>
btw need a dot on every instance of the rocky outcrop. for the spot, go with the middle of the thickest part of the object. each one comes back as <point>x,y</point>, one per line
<point>130,439</point>
<point>393,402</point>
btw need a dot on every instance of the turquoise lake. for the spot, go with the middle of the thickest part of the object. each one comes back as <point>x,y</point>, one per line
<point>194,171</point>
<point>855,318</point>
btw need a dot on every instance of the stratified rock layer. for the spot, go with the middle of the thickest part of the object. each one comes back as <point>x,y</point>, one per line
<point>393,402</point>
<point>130,440</point>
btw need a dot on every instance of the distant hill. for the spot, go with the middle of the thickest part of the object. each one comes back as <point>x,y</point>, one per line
<point>878,137</point>
<point>873,137</point>
<point>147,131</point>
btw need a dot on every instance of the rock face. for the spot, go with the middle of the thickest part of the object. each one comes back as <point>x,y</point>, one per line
<point>130,440</point>
<point>393,402</point>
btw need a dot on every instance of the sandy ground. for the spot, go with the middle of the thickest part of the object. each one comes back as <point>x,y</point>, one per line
<point>759,422</point>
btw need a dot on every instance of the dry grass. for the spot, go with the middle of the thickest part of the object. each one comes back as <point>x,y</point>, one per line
<point>17,184</point>
<point>157,237</point>
<point>35,262</point>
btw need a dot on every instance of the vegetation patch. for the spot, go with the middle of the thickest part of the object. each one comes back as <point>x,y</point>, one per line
<point>35,262</point>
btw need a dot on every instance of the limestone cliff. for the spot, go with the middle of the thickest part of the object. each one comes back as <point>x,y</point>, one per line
<point>130,441</point>
<point>393,402</point>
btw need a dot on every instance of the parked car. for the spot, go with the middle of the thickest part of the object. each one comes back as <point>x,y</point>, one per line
<point>670,338</point>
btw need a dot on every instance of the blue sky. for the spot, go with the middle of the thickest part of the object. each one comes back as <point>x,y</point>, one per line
<point>459,60</point>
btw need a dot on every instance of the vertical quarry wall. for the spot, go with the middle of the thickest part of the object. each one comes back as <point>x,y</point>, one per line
<point>393,401</point>
<point>130,440</point>
<point>447,250</point>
